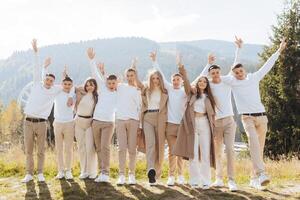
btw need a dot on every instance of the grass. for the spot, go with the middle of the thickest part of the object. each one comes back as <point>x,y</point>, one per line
<point>285,182</point>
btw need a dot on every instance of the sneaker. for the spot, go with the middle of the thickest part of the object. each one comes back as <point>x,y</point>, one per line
<point>99,178</point>
<point>41,177</point>
<point>27,178</point>
<point>194,185</point>
<point>151,176</point>
<point>232,186</point>
<point>218,183</point>
<point>254,183</point>
<point>92,176</point>
<point>180,180</point>
<point>263,179</point>
<point>205,187</point>
<point>171,181</point>
<point>131,179</point>
<point>68,175</point>
<point>105,178</point>
<point>121,180</point>
<point>83,176</point>
<point>60,175</point>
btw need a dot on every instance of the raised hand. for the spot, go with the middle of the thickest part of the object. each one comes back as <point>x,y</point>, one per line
<point>65,72</point>
<point>91,53</point>
<point>282,45</point>
<point>34,45</point>
<point>238,42</point>
<point>179,60</point>
<point>211,59</point>
<point>134,63</point>
<point>47,62</point>
<point>101,67</point>
<point>153,56</point>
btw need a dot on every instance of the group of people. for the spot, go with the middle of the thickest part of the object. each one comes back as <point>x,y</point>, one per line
<point>195,119</point>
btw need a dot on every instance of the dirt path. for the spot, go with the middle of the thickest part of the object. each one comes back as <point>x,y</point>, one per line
<point>13,189</point>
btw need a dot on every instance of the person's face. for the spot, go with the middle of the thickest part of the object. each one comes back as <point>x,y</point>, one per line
<point>239,73</point>
<point>202,83</point>
<point>48,82</point>
<point>112,84</point>
<point>90,87</point>
<point>155,80</point>
<point>130,76</point>
<point>215,74</point>
<point>67,85</point>
<point>177,82</point>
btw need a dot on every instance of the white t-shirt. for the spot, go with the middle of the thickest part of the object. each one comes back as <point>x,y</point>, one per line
<point>63,113</point>
<point>128,102</point>
<point>199,105</point>
<point>154,99</point>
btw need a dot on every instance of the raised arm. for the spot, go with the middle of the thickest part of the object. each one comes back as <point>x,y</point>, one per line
<point>95,74</point>
<point>186,82</point>
<point>37,70</point>
<point>139,83</point>
<point>270,62</point>
<point>210,60</point>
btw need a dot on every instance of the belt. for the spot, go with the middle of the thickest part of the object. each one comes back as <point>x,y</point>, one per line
<point>255,114</point>
<point>35,120</point>
<point>155,110</point>
<point>200,114</point>
<point>87,117</point>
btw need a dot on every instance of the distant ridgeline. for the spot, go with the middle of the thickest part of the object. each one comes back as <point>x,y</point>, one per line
<point>116,53</point>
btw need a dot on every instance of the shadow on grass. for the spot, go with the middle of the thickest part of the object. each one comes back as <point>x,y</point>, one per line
<point>30,191</point>
<point>44,192</point>
<point>71,190</point>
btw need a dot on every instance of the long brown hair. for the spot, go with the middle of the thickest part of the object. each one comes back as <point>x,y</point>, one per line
<point>92,81</point>
<point>161,82</point>
<point>207,91</point>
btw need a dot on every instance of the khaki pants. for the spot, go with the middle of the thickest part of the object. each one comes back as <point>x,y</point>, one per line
<point>256,129</point>
<point>127,135</point>
<point>224,133</point>
<point>103,132</point>
<point>34,130</point>
<point>174,161</point>
<point>151,139</point>
<point>64,139</point>
<point>86,146</point>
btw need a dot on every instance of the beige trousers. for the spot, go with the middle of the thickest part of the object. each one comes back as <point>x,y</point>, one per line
<point>224,133</point>
<point>86,146</point>
<point>64,140</point>
<point>127,135</point>
<point>103,132</point>
<point>256,129</point>
<point>151,139</point>
<point>34,131</point>
<point>174,161</point>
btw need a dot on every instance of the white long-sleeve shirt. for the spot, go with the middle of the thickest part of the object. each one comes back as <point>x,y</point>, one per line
<point>177,99</point>
<point>41,99</point>
<point>107,100</point>
<point>62,112</point>
<point>246,92</point>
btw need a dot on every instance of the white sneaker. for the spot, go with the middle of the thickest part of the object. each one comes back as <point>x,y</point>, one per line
<point>263,179</point>
<point>92,176</point>
<point>180,180</point>
<point>218,183</point>
<point>205,187</point>
<point>83,176</point>
<point>121,180</point>
<point>171,181</point>
<point>68,175</point>
<point>99,178</point>
<point>105,178</point>
<point>60,175</point>
<point>41,177</point>
<point>232,186</point>
<point>27,178</point>
<point>131,179</point>
<point>254,183</point>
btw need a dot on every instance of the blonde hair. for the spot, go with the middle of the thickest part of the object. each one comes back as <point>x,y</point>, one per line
<point>161,81</point>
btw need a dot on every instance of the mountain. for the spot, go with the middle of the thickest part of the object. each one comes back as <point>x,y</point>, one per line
<point>116,53</point>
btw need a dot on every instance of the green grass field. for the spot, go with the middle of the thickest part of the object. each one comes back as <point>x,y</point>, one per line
<point>285,182</point>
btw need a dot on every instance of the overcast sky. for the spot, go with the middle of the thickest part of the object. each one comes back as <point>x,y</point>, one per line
<point>63,21</point>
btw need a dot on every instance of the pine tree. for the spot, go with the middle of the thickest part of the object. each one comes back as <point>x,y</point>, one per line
<point>281,87</point>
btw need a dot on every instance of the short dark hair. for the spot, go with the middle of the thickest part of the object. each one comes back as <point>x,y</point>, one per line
<point>176,74</point>
<point>130,70</point>
<point>239,65</point>
<point>67,78</point>
<point>112,77</point>
<point>213,67</point>
<point>51,75</point>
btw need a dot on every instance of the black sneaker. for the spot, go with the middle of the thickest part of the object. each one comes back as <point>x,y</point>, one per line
<point>151,176</point>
